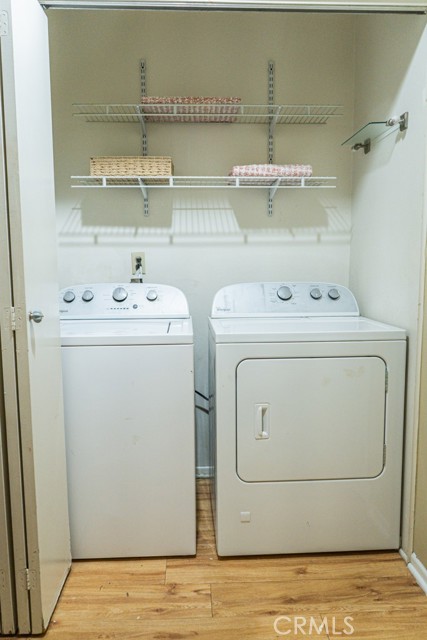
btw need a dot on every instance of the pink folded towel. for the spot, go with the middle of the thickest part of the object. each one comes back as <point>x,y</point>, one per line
<point>190,108</point>
<point>272,170</point>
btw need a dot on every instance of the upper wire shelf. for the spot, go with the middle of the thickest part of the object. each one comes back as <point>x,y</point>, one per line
<point>213,112</point>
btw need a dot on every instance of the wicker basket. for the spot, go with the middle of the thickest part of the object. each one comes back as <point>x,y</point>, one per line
<point>132,166</point>
<point>190,108</point>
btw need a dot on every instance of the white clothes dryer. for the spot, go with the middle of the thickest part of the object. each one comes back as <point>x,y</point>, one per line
<point>307,411</point>
<point>129,417</point>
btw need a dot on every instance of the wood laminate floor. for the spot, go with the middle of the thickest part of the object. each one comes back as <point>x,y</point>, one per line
<point>357,595</point>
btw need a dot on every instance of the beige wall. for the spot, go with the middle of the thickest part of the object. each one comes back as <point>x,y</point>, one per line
<point>228,238</point>
<point>349,60</point>
<point>388,195</point>
<point>420,528</point>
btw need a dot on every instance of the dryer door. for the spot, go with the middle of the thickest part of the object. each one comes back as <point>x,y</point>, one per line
<point>310,418</point>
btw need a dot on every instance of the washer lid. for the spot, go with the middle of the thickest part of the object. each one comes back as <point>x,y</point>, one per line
<point>122,301</point>
<point>272,299</point>
<point>126,332</point>
<point>311,329</point>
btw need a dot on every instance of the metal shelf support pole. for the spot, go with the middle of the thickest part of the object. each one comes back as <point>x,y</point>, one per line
<point>143,69</point>
<point>271,129</point>
<point>271,194</point>
<point>270,104</point>
<point>144,195</point>
<point>143,129</point>
<point>143,93</point>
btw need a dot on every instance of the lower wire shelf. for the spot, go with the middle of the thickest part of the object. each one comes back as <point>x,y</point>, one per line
<point>146,183</point>
<point>203,182</point>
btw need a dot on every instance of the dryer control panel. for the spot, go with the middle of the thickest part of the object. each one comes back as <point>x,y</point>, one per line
<point>297,299</point>
<point>122,300</point>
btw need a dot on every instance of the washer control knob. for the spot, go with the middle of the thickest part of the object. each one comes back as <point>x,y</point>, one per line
<point>87,295</point>
<point>120,294</point>
<point>284,293</point>
<point>334,294</point>
<point>316,294</point>
<point>151,295</point>
<point>68,296</point>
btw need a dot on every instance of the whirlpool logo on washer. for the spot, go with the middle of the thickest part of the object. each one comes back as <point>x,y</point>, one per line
<point>314,626</point>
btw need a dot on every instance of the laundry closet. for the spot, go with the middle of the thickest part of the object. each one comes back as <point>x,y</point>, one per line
<point>359,222</point>
<point>367,231</point>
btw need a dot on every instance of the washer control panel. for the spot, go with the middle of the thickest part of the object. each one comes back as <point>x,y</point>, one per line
<point>264,299</point>
<point>122,300</point>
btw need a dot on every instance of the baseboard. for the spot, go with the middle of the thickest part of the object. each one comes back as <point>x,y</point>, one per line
<point>419,572</point>
<point>405,556</point>
<point>203,472</point>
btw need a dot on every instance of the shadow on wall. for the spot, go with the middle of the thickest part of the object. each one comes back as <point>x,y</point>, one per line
<point>210,220</point>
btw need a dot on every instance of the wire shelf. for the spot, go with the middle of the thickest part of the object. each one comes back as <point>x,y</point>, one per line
<point>202,182</point>
<point>238,114</point>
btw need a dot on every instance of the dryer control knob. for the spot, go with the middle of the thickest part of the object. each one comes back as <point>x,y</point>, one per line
<point>284,293</point>
<point>334,294</point>
<point>316,294</point>
<point>87,295</point>
<point>120,294</point>
<point>151,295</point>
<point>68,296</point>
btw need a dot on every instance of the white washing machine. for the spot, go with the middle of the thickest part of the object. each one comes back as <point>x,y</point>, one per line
<point>129,416</point>
<point>307,411</point>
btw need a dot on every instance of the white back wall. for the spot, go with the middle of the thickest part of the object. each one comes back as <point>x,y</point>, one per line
<point>202,240</point>
<point>388,194</point>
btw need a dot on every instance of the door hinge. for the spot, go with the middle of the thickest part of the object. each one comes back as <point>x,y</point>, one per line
<point>28,579</point>
<point>9,318</point>
<point>13,318</point>
<point>4,23</point>
<point>384,454</point>
<point>386,380</point>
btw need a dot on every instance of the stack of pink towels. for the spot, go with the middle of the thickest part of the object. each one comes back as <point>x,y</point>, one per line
<point>190,108</point>
<point>272,170</point>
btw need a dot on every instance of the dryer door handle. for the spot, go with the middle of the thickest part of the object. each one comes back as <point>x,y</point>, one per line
<point>262,421</point>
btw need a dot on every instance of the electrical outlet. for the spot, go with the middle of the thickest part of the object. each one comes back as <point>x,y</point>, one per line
<point>138,259</point>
